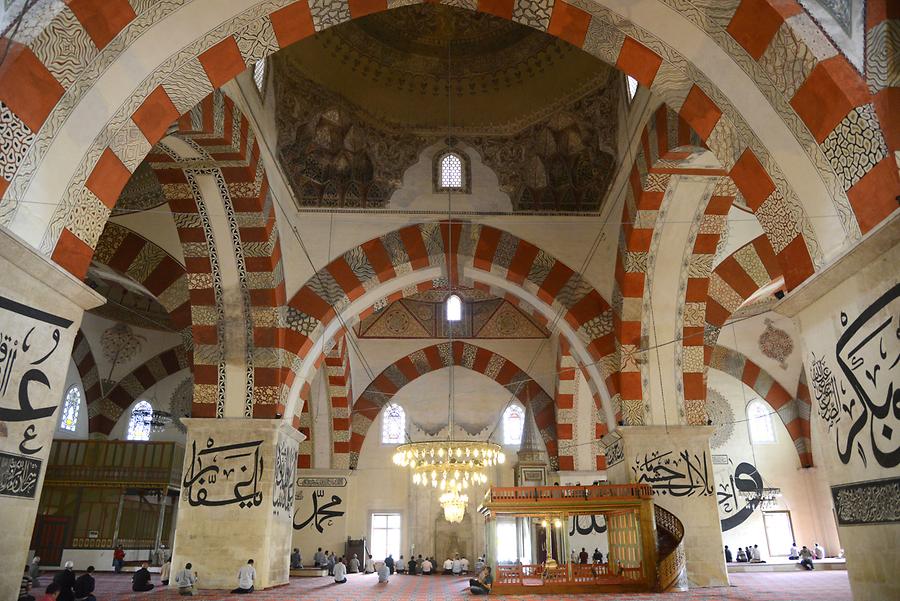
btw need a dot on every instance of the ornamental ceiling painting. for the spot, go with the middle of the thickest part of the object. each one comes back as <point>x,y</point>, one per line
<point>422,315</point>
<point>356,105</point>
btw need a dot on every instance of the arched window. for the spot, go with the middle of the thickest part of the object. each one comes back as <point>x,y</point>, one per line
<point>69,418</point>
<point>454,308</point>
<point>139,423</point>
<point>393,424</point>
<point>631,85</point>
<point>451,172</point>
<point>259,74</point>
<point>513,424</point>
<point>760,418</point>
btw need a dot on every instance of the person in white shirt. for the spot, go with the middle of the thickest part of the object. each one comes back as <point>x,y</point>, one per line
<point>340,572</point>
<point>818,551</point>
<point>384,572</point>
<point>794,552</point>
<point>401,565</point>
<point>353,566</point>
<point>370,565</point>
<point>427,566</point>
<point>756,556</point>
<point>464,564</point>
<point>457,565</point>
<point>246,578</point>
<point>186,580</point>
<point>448,566</point>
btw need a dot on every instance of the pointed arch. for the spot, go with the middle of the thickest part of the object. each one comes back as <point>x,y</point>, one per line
<point>438,356</point>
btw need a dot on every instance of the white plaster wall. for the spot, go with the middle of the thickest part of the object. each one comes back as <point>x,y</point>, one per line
<point>155,342</point>
<point>156,225</point>
<point>744,337</point>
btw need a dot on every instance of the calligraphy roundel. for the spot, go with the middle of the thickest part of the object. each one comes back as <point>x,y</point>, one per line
<point>718,409</point>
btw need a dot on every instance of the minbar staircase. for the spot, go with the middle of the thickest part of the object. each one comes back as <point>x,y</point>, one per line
<point>671,565</point>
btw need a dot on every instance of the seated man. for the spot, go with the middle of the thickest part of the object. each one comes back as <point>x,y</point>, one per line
<point>448,566</point>
<point>806,558</point>
<point>353,566</point>
<point>84,586</point>
<point>464,564</point>
<point>140,581</point>
<point>246,578</point>
<point>401,565</point>
<point>340,572</point>
<point>456,565</point>
<point>296,560</point>
<point>384,572</point>
<point>164,572</point>
<point>52,592</point>
<point>794,554</point>
<point>370,565</point>
<point>427,566</point>
<point>482,584</point>
<point>25,588</point>
<point>186,580</point>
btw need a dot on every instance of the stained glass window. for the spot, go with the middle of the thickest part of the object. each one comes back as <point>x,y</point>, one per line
<point>513,424</point>
<point>760,416</point>
<point>393,424</point>
<point>69,419</point>
<point>139,423</point>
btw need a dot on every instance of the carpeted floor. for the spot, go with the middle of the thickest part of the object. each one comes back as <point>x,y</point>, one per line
<point>798,586</point>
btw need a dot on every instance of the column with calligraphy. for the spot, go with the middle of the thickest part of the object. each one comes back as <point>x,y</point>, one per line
<point>41,306</point>
<point>237,500</point>
<point>677,462</point>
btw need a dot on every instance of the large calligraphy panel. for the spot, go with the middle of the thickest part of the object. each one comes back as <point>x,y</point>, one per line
<point>682,474</point>
<point>285,470</point>
<point>859,402</point>
<point>19,475</point>
<point>874,502</point>
<point>320,513</point>
<point>224,475</point>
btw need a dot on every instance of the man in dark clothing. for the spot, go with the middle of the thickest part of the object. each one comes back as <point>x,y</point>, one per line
<point>583,556</point>
<point>84,586</point>
<point>66,580</point>
<point>728,556</point>
<point>598,556</point>
<point>25,588</point>
<point>140,582</point>
<point>389,562</point>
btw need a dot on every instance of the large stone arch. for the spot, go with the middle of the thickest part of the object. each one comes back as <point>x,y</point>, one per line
<point>444,354</point>
<point>793,410</point>
<point>417,253</point>
<point>720,66</point>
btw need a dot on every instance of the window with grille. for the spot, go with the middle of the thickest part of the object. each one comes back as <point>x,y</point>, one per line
<point>69,418</point>
<point>454,308</point>
<point>513,424</point>
<point>393,424</point>
<point>761,428</point>
<point>139,423</point>
<point>451,172</point>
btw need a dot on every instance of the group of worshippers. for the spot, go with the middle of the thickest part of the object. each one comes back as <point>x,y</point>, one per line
<point>340,570</point>
<point>64,587</point>
<point>456,566</point>
<point>804,555</point>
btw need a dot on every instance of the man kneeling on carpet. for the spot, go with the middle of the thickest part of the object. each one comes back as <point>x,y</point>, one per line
<point>246,578</point>
<point>481,585</point>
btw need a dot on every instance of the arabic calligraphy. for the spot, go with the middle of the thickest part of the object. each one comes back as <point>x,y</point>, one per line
<point>861,402</point>
<point>746,478</point>
<point>285,466</point>
<point>22,357</point>
<point>615,453</point>
<point>873,502</point>
<point>223,475</point>
<point>319,514</point>
<point>683,475</point>
<point>593,525</point>
<point>19,475</point>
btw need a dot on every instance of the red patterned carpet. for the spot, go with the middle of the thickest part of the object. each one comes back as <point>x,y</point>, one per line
<point>787,586</point>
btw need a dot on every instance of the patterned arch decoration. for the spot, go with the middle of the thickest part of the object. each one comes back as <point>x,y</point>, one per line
<point>463,354</point>
<point>142,261</point>
<point>666,144</point>
<point>104,413</point>
<point>86,365</point>
<point>793,410</point>
<point>340,393</point>
<point>220,134</point>
<point>733,281</point>
<point>424,245</point>
<point>824,103</point>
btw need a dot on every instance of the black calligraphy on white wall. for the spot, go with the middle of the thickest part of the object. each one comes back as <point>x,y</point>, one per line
<point>740,496</point>
<point>860,403</point>
<point>285,470</point>
<point>317,511</point>
<point>585,525</point>
<point>19,475</point>
<point>684,474</point>
<point>615,453</point>
<point>873,502</point>
<point>224,475</point>
<point>31,338</point>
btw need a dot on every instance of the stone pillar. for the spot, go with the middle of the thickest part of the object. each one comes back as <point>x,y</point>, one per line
<point>41,306</point>
<point>677,462</point>
<point>237,500</point>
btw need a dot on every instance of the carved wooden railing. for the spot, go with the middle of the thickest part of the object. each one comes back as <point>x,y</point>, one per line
<point>515,494</point>
<point>592,573</point>
<point>671,561</point>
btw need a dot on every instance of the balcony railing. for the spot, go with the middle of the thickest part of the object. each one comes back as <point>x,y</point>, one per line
<point>588,574</point>
<point>517,494</point>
